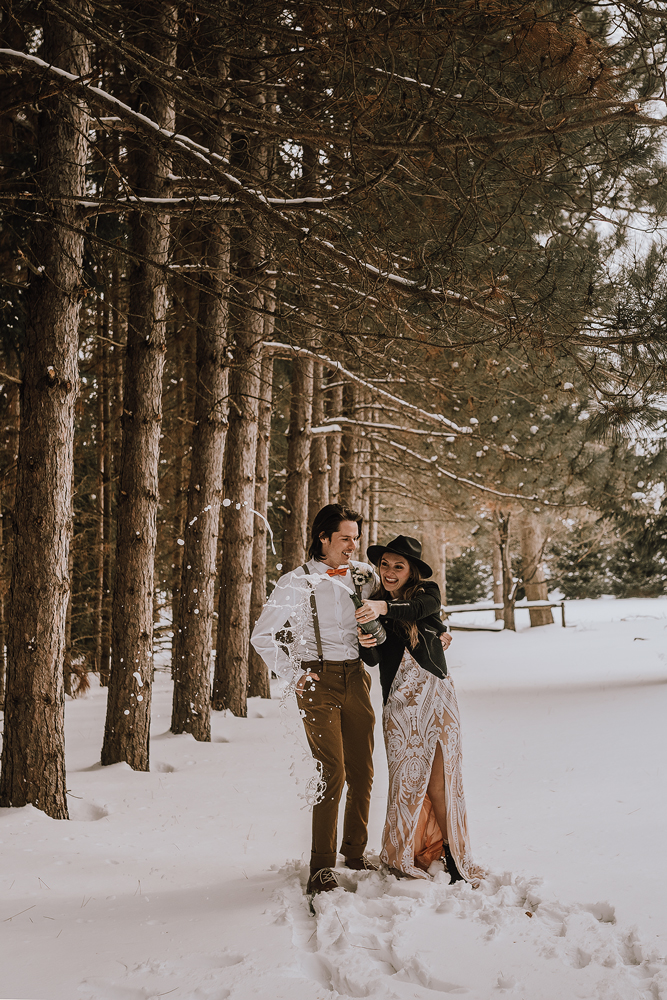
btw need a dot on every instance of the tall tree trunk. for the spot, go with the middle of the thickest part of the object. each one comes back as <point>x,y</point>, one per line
<point>435,552</point>
<point>497,560</point>
<point>259,680</point>
<point>3,635</point>
<point>298,464</point>
<point>350,491</point>
<point>318,491</point>
<point>12,36</point>
<point>101,486</point>
<point>230,681</point>
<point>67,659</point>
<point>364,476</point>
<point>33,752</point>
<point>104,652</point>
<point>246,317</point>
<point>334,442</point>
<point>11,423</point>
<point>126,734</point>
<point>113,408</point>
<point>532,570</point>
<point>374,511</point>
<point>259,685</point>
<point>181,431</point>
<point>193,625</point>
<point>509,590</point>
<point>180,436</point>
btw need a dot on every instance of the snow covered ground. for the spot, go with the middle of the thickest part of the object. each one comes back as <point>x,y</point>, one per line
<point>187,882</point>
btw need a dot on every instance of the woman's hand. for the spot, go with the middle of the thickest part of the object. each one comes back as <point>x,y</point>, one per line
<point>370,610</point>
<point>446,640</point>
<point>303,680</point>
<point>365,638</point>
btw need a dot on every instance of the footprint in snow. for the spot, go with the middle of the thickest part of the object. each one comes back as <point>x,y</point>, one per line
<point>381,941</point>
<point>81,811</point>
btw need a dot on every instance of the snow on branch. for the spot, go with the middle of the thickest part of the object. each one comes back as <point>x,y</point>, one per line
<point>469,482</point>
<point>439,418</point>
<point>391,427</point>
<point>257,200</point>
<point>182,201</point>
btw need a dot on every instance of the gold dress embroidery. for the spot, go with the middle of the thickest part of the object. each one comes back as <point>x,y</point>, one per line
<point>421,712</point>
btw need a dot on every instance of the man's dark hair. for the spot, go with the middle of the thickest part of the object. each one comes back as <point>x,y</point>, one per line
<point>326,521</point>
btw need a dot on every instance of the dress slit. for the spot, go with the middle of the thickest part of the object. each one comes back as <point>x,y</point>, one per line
<point>422,712</point>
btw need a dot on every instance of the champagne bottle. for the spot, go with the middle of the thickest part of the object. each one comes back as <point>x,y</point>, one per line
<point>373,627</point>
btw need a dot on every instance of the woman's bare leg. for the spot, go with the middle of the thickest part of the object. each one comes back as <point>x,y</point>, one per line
<point>436,791</point>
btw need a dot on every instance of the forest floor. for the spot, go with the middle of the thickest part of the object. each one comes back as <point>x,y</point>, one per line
<point>187,881</point>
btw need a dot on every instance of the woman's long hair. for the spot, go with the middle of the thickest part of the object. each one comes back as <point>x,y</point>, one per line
<point>413,585</point>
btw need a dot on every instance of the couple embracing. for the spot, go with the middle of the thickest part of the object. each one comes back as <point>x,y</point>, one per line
<point>426,816</point>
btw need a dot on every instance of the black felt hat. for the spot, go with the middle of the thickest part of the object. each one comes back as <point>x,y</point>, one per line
<point>404,546</point>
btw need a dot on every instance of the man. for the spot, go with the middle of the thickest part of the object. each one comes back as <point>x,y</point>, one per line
<point>333,691</point>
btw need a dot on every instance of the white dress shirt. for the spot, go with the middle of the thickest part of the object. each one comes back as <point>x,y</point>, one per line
<point>290,602</point>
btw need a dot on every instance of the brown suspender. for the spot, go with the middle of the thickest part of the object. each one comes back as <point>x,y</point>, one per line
<point>316,620</point>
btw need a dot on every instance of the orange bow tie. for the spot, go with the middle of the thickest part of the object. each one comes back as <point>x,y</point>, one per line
<point>341,571</point>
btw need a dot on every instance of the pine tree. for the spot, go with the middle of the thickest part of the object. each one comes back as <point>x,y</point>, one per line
<point>126,733</point>
<point>468,579</point>
<point>638,564</point>
<point>33,751</point>
<point>580,562</point>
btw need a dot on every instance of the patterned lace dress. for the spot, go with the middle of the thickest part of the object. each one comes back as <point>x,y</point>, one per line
<point>421,712</point>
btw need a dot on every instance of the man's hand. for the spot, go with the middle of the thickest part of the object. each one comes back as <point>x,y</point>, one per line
<point>303,680</point>
<point>365,638</point>
<point>370,610</point>
<point>446,640</point>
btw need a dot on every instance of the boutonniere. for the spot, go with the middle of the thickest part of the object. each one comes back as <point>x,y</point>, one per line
<point>361,575</point>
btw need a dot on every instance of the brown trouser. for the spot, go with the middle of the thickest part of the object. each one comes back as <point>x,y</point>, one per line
<point>339,723</point>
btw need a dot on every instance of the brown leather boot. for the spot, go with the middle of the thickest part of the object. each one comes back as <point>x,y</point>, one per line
<point>361,865</point>
<point>323,880</point>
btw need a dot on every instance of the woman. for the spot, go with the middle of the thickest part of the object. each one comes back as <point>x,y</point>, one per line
<point>426,813</point>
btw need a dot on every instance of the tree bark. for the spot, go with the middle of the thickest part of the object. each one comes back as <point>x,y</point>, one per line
<point>230,682</point>
<point>509,590</point>
<point>67,658</point>
<point>3,630</point>
<point>318,491</point>
<point>193,625</point>
<point>497,567</point>
<point>180,436</point>
<point>126,734</point>
<point>259,683</point>
<point>334,442</point>
<point>113,408</point>
<point>259,680</point>
<point>298,464</point>
<point>102,390</point>
<point>188,245</point>
<point>534,582</point>
<point>434,547</point>
<point>11,422</point>
<point>350,491</point>
<point>374,510</point>
<point>364,476</point>
<point>33,753</point>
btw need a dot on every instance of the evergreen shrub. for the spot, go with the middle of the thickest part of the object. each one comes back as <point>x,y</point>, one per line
<point>580,566</point>
<point>468,579</point>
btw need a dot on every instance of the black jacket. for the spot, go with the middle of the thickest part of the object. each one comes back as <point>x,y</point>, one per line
<point>424,609</point>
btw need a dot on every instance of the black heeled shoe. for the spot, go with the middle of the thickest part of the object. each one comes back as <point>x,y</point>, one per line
<point>454,874</point>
